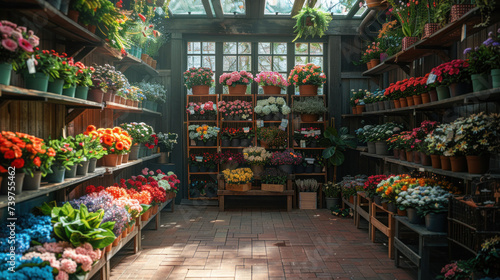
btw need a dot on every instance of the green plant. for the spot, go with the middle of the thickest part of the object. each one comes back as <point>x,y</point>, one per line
<point>337,143</point>
<point>332,190</point>
<point>411,15</point>
<point>166,141</point>
<point>274,136</point>
<point>274,176</point>
<point>311,22</point>
<point>66,154</point>
<point>309,105</point>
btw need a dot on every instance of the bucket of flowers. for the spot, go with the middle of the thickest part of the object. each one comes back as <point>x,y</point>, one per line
<point>236,82</point>
<point>204,135</point>
<point>199,80</point>
<point>286,159</point>
<point>308,78</point>
<point>271,82</point>
<point>256,157</point>
<point>230,160</point>
<point>272,137</point>
<point>238,179</point>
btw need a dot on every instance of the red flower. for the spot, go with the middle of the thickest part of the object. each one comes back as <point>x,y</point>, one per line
<point>143,18</point>
<point>37,161</point>
<point>18,163</point>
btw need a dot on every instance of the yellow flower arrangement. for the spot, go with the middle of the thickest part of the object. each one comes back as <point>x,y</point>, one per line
<point>238,176</point>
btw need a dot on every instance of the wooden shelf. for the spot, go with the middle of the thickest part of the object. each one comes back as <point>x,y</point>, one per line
<point>96,267</point>
<point>122,243</point>
<point>147,111</point>
<point>145,223</point>
<point>121,107</point>
<point>110,170</point>
<point>352,116</point>
<point>18,93</point>
<point>224,121</point>
<point>203,147</point>
<point>235,95</point>
<point>435,44</point>
<point>309,174</point>
<point>132,62</point>
<point>201,121</point>
<point>222,147</point>
<point>47,188</point>
<point>203,173</point>
<point>271,95</point>
<point>317,148</point>
<point>373,155</point>
<point>255,192</point>
<point>272,121</point>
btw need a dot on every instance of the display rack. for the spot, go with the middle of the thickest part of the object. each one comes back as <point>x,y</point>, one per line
<point>383,220</point>
<point>363,210</point>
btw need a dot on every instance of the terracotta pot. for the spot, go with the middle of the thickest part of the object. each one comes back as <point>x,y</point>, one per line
<point>403,102</point>
<point>416,157</point>
<point>129,102</point>
<point>309,117</point>
<point>308,90</point>
<point>73,15</point>
<point>417,99</point>
<point>409,101</point>
<point>271,89</point>
<point>425,160</point>
<point>409,156</point>
<point>402,155</point>
<point>478,164</point>
<point>201,90</point>
<point>124,233</point>
<point>436,161</point>
<point>458,164</point>
<point>425,98</point>
<point>385,205</point>
<point>92,28</point>
<point>375,62</point>
<point>119,160</point>
<point>351,199</point>
<point>360,109</point>
<point>376,4</point>
<point>136,103</point>
<point>96,95</point>
<point>309,21</point>
<point>397,103</point>
<point>125,158</point>
<point>395,152</point>
<point>237,90</point>
<point>369,65</point>
<point>108,248</point>
<point>401,212</point>
<point>445,162</point>
<point>354,110</point>
<point>109,96</point>
<point>433,95</point>
<point>144,57</point>
<point>117,241</point>
<point>110,160</point>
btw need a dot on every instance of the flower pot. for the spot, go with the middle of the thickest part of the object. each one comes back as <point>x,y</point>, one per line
<point>377,199</point>
<point>257,169</point>
<point>381,148</point>
<point>318,169</point>
<point>129,102</point>
<point>135,103</point>
<point>309,169</point>
<point>71,173</point>
<point>397,103</point>
<point>299,169</point>
<point>429,29</point>
<point>425,159</point>
<point>193,168</point>
<point>117,240</point>
<point>18,182</point>
<point>443,92</point>
<point>210,143</point>
<point>199,143</point>
<point>201,90</point>
<point>381,105</point>
<point>413,216</point>
<point>308,90</point>
<point>351,199</point>
<point>425,98</point>
<point>119,159</point>
<point>445,162</point>
<point>417,99</point>
<point>433,95</point>
<point>395,153</point>
<point>109,96</point>
<point>401,212</point>
<point>409,156</point>
<point>92,28</point>
<point>92,165</point>
<point>108,248</point>
<point>353,110</point>
<point>134,152</point>
<point>360,109</point>
<point>110,160</point>
<point>436,161</point>
<point>458,164</point>
<point>457,11</point>
<point>57,175</point>
<point>271,89</point>
<point>5,73</point>
<point>231,165</point>
<point>96,95</point>
<point>408,41</point>
<point>288,168</point>
<point>369,65</point>
<point>225,142</point>
<point>436,222</point>
<point>164,158</point>
<point>264,144</point>
<point>403,102</point>
<point>235,142</point>
<point>409,101</point>
<point>416,157</point>
<point>495,78</point>
<point>374,62</point>
<point>82,168</point>
<point>69,91</point>
<point>457,89</point>
<point>372,149</point>
<point>391,207</point>
<point>369,107</point>
<point>125,158</point>
<point>480,82</point>
<point>37,81</point>
<point>332,202</point>
<point>73,15</point>
<point>478,164</point>
<point>238,89</point>
<point>402,155</point>
<point>277,117</point>
<point>203,169</point>
<point>81,92</point>
<point>56,86</point>
<point>32,183</point>
<point>309,117</point>
<point>244,142</point>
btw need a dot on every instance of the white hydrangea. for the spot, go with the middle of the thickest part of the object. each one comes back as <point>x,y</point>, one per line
<point>280,101</point>
<point>266,110</point>
<point>285,110</point>
<point>258,109</point>
<point>271,100</point>
<point>274,108</point>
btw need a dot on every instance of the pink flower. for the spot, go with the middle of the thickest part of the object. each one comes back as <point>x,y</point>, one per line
<point>68,265</point>
<point>6,30</point>
<point>25,45</point>
<point>34,40</point>
<point>62,275</point>
<point>9,44</point>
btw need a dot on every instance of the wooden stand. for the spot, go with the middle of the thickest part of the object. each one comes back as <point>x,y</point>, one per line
<point>345,202</point>
<point>383,222</point>
<point>363,210</point>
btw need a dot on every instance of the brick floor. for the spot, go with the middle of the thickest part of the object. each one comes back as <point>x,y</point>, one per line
<point>199,242</point>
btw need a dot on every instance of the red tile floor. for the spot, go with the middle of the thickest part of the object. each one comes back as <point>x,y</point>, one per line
<point>199,242</point>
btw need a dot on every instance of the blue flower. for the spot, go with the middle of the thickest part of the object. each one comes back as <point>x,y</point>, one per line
<point>496,44</point>
<point>467,50</point>
<point>488,42</point>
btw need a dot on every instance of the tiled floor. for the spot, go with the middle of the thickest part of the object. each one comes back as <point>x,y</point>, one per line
<point>198,242</point>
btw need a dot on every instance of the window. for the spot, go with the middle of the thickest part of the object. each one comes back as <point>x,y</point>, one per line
<point>272,57</point>
<point>237,56</point>
<point>236,7</point>
<point>310,53</point>
<point>283,7</point>
<point>194,7</point>
<point>201,54</point>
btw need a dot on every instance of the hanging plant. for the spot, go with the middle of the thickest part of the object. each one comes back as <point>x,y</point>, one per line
<point>311,22</point>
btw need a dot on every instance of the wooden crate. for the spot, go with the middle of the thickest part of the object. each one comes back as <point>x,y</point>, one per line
<point>273,187</point>
<point>308,200</point>
<point>239,187</point>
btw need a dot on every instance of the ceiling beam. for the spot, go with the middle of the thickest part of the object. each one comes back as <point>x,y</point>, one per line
<point>219,13</point>
<point>297,6</point>
<point>311,3</point>
<point>252,9</point>
<point>354,9</point>
<point>208,10</point>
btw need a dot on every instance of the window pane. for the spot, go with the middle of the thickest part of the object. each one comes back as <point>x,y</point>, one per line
<point>316,48</point>
<point>209,61</point>
<point>244,63</point>
<point>195,7</point>
<point>278,6</point>
<point>300,60</point>
<point>361,11</point>
<point>264,48</point>
<point>233,6</point>
<point>264,63</point>
<point>244,48</point>
<point>301,48</point>
<point>194,61</point>
<point>229,63</point>
<point>279,48</point>
<point>279,63</point>
<point>194,48</point>
<point>229,48</point>
<point>318,60</point>
<point>208,47</point>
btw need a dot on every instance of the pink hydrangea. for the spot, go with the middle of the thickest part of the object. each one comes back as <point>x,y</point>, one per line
<point>68,265</point>
<point>62,275</point>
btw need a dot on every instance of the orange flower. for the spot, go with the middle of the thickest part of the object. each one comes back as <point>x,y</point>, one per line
<point>119,146</point>
<point>91,128</point>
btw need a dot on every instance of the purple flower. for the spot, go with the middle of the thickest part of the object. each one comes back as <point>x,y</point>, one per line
<point>467,50</point>
<point>490,34</point>
<point>488,42</point>
<point>495,44</point>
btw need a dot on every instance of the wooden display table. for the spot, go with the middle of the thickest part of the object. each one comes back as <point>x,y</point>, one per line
<point>418,252</point>
<point>255,191</point>
<point>363,210</point>
<point>351,205</point>
<point>382,220</point>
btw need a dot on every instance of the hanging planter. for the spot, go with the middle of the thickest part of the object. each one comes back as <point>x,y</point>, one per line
<point>311,22</point>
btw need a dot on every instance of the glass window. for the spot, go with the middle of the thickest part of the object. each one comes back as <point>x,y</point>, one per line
<point>201,54</point>
<point>278,6</point>
<point>233,6</point>
<point>194,7</point>
<point>310,53</point>
<point>337,7</point>
<point>272,57</point>
<point>237,56</point>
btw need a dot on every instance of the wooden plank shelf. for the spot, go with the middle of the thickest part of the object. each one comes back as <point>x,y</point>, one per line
<point>143,224</point>
<point>122,243</point>
<point>225,121</point>
<point>18,93</point>
<point>204,147</point>
<point>121,107</point>
<point>366,154</point>
<point>137,64</point>
<point>351,115</point>
<point>96,268</point>
<point>110,170</point>
<point>310,174</point>
<point>435,44</point>
<point>202,121</point>
<point>384,223</point>
<point>308,148</point>
<point>363,210</point>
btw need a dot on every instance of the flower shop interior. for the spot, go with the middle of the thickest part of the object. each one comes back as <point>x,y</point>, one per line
<point>257,139</point>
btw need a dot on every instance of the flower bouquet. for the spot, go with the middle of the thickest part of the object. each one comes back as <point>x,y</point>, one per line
<point>204,135</point>
<point>199,80</point>
<point>272,108</point>
<point>238,179</point>
<point>271,82</point>
<point>351,185</point>
<point>201,111</point>
<point>166,142</point>
<point>236,82</point>
<point>307,137</point>
<point>308,78</point>
<point>235,110</point>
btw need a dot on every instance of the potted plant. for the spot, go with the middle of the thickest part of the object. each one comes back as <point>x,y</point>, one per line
<point>64,160</point>
<point>95,150</point>
<point>309,108</point>
<point>230,160</point>
<point>411,16</point>
<point>478,64</point>
<point>453,72</point>
<point>14,51</point>
<point>286,159</point>
<point>211,189</point>
<point>204,135</point>
<point>308,189</point>
<point>336,144</point>
<point>308,78</point>
<point>154,94</point>
<point>309,137</point>
<point>371,56</point>
<point>236,82</point>
<point>199,80</point>
<point>238,179</point>
<point>46,66</point>
<point>141,133</point>
<point>237,110</point>
<point>271,82</point>
<point>194,163</point>
<point>166,143</point>
<point>494,60</point>
<point>256,157</point>
<point>311,22</point>
<point>272,108</point>
<point>116,142</point>
<point>332,195</point>
<point>356,101</point>
<point>434,207</point>
<point>83,80</point>
<point>390,188</point>
<point>273,180</point>
<point>371,185</point>
<point>272,137</point>
<point>350,187</point>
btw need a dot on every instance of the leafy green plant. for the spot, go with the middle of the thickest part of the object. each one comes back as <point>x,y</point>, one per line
<point>274,176</point>
<point>337,142</point>
<point>66,153</point>
<point>311,22</point>
<point>309,105</point>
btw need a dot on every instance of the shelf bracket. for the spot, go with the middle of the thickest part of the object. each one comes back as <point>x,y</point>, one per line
<point>116,115</point>
<point>4,103</point>
<point>74,114</point>
<point>442,55</point>
<point>405,67</point>
<point>83,52</point>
